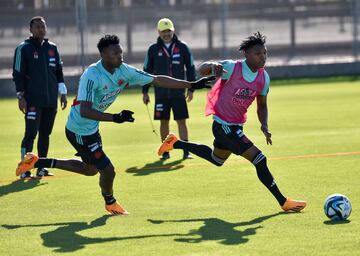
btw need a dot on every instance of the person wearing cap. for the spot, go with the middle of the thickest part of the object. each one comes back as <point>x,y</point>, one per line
<point>170,56</point>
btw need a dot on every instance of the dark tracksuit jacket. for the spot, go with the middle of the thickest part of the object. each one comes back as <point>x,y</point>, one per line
<point>172,62</point>
<point>37,70</point>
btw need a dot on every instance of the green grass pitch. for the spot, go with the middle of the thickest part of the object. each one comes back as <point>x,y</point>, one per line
<point>192,207</point>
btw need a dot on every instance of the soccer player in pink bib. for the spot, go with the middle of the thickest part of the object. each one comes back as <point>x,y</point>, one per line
<point>239,84</point>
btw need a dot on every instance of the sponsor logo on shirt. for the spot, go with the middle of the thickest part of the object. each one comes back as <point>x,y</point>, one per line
<point>110,95</point>
<point>243,96</point>
<point>244,93</point>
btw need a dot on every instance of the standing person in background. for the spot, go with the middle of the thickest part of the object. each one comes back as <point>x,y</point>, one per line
<point>170,56</point>
<point>240,83</point>
<point>38,77</point>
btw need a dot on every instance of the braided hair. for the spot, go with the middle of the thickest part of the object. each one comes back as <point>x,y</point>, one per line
<point>256,39</point>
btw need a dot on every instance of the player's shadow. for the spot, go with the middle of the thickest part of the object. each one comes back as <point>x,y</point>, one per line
<point>19,185</point>
<point>155,167</point>
<point>66,237</point>
<point>215,229</point>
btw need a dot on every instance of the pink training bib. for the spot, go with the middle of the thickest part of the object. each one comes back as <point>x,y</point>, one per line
<point>230,99</point>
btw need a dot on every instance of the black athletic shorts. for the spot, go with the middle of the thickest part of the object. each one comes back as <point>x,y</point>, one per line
<point>230,137</point>
<point>163,107</point>
<point>89,148</point>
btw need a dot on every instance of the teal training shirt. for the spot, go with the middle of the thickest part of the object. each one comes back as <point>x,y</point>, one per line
<point>101,88</point>
<point>248,75</point>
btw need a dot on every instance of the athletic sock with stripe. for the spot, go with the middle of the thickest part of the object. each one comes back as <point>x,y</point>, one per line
<point>266,178</point>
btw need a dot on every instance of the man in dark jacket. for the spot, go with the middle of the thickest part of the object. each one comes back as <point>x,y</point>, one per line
<point>170,56</point>
<point>38,77</point>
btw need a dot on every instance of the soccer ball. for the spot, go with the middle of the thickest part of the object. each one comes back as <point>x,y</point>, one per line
<point>337,207</point>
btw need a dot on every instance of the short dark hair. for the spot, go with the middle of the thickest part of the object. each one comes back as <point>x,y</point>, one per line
<point>36,18</point>
<point>106,41</point>
<point>256,39</point>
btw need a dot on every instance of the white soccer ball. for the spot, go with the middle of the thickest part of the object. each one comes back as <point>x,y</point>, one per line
<point>337,207</point>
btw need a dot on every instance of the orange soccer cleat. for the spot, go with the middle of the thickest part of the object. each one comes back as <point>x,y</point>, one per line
<point>168,144</point>
<point>116,209</point>
<point>27,163</point>
<point>293,205</point>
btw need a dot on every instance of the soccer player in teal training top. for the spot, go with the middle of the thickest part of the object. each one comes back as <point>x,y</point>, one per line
<point>240,83</point>
<point>99,86</point>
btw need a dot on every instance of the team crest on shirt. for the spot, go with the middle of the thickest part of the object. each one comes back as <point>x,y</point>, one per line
<point>160,53</point>
<point>36,55</point>
<point>176,50</point>
<point>51,52</point>
<point>120,82</point>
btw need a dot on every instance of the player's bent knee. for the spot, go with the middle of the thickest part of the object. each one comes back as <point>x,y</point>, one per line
<point>217,160</point>
<point>109,172</point>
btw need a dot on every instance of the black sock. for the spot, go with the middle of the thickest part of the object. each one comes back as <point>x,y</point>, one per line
<point>186,152</point>
<point>200,150</point>
<point>45,163</point>
<point>266,178</point>
<point>109,199</point>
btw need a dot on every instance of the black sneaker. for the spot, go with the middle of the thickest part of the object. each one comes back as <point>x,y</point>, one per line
<point>187,155</point>
<point>165,155</point>
<point>42,172</point>
<point>26,175</point>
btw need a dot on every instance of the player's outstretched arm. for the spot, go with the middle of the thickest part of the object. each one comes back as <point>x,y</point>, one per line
<point>211,68</point>
<point>169,82</point>
<point>87,111</point>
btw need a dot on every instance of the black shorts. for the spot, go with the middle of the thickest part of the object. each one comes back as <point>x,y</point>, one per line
<point>230,137</point>
<point>89,148</point>
<point>163,107</point>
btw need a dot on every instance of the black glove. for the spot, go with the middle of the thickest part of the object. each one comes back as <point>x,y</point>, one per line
<point>202,83</point>
<point>123,116</point>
